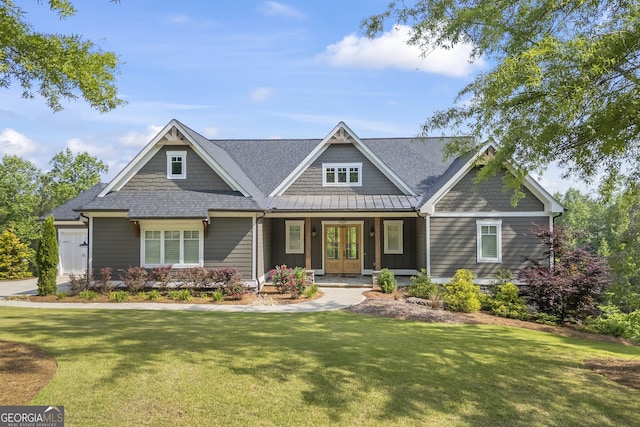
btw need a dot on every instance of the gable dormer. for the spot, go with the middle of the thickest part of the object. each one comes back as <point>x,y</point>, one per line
<point>342,164</point>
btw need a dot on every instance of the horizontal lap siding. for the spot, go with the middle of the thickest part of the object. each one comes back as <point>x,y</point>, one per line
<point>114,245</point>
<point>488,196</point>
<point>230,244</point>
<point>373,181</point>
<point>454,246</point>
<point>153,175</point>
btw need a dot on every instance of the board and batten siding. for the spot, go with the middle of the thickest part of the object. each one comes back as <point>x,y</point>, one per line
<point>488,196</point>
<point>454,245</point>
<point>153,175</point>
<point>230,244</point>
<point>421,243</point>
<point>373,181</point>
<point>114,244</point>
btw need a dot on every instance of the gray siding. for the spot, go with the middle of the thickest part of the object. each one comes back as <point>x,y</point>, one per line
<point>373,181</point>
<point>489,196</point>
<point>153,175</point>
<point>454,246</point>
<point>114,245</point>
<point>230,244</point>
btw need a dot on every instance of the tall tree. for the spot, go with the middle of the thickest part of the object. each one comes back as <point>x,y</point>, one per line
<point>19,199</point>
<point>47,259</point>
<point>69,176</point>
<point>565,85</point>
<point>62,66</point>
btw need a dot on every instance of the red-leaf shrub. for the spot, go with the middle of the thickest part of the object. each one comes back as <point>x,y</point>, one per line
<point>571,284</point>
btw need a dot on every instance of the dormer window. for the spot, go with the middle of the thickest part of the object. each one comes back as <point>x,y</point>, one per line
<point>176,164</point>
<point>342,174</point>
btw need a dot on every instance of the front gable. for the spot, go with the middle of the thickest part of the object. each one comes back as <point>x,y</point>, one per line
<point>151,169</point>
<point>196,174</point>
<point>460,194</point>
<point>342,148</point>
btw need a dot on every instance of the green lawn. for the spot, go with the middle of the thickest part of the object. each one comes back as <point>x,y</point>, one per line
<point>333,368</point>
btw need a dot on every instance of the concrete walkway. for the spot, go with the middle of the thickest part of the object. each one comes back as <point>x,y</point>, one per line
<point>334,298</point>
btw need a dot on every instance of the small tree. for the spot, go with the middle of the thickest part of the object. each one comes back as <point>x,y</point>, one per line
<point>47,259</point>
<point>572,283</point>
<point>14,256</point>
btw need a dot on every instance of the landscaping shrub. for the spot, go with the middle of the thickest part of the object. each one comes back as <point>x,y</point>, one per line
<point>153,295</point>
<point>387,281</point>
<point>422,286</point>
<point>224,275</point>
<point>614,322</point>
<point>546,319</point>
<point>311,291</point>
<point>162,275</point>
<point>194,277</point>
<point>506,302</point>
<point>61,295</point>
<point>572,285</point>
<point>180,295</point>
<point>289,281</point>
<point>217,296</point>
<point>47,259</point>
<point>104,283</point>
<point>118,296</point>
<point>87,294</point>
<point>78,283</point>
<point>135,279</point>
<point>461,293</point>
<point>14,256</point>
<point>236,290</point>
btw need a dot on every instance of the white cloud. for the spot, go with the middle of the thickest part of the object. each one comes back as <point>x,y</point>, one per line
<point>139,139</point>
<point>260,94</point>
<point>211,132</point>
<point>178,19</point>
<point>274,8</point>
<point>14,143</point>
<point>392,51</point>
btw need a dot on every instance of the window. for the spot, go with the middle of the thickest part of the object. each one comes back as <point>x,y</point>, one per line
<point>176,164</point>
<point>341,174</point>
<point>489,237</point>
<point>172,247</point>
<point>393,237</point>
<point>294,237</point>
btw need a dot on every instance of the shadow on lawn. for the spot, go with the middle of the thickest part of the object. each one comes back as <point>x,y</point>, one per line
<point>355,368</point>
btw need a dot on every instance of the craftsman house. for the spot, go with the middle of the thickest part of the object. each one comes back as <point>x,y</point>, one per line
<point>338,205</point>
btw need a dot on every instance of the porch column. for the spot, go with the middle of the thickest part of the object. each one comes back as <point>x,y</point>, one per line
<point>307,243</point>
<point>376,225</point>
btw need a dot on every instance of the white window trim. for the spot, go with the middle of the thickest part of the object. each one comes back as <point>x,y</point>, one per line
<point>181,229</point>
<point>335,183</point>
<point>288,248</point>
<point>490,222</point>
<point>182,154</point>
<point>387,249</point>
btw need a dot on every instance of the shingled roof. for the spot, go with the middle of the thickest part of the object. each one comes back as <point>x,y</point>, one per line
<point>259,167</point>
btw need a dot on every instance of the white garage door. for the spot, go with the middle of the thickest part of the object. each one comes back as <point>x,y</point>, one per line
<point>73,257</point>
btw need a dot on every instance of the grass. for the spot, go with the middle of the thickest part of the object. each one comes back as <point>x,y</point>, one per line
<point>332,368</point>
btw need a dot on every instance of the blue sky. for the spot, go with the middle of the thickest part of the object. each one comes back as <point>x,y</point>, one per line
<point>238,69</point>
